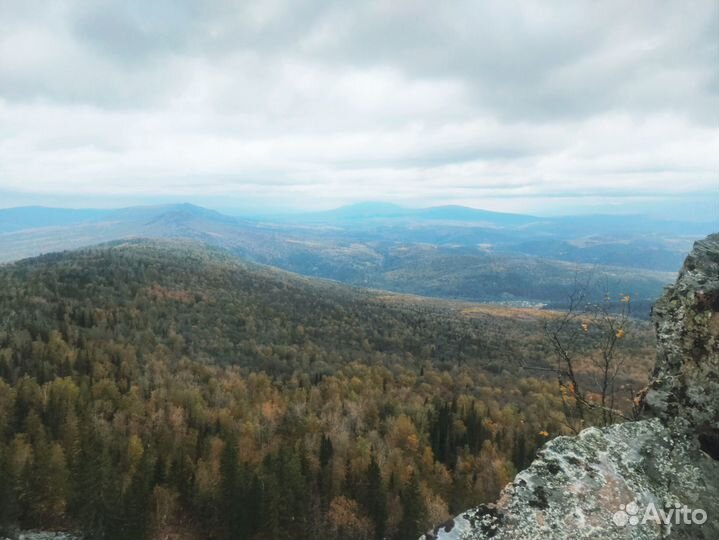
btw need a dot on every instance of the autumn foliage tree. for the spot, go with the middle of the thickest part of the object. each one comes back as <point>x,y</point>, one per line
<point>586,340</point>
<point>147,389</point>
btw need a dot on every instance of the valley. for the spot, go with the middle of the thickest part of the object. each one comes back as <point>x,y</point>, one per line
<point>447,252</point>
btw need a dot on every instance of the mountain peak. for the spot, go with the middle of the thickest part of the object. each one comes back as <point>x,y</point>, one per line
<point>174,212</point>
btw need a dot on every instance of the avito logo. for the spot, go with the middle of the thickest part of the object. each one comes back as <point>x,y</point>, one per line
<point>629,515</point>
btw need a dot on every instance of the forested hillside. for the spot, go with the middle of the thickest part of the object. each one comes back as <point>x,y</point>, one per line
<point>151,387</point>
<point>447,252</point>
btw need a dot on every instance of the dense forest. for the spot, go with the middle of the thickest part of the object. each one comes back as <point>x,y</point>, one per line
<point>151,388</point>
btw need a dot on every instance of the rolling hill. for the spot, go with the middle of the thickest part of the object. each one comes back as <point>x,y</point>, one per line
<point>227,309</point>
<point>446,251</point>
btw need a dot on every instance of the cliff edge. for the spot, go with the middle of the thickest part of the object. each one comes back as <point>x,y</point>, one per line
<point>654,478</point>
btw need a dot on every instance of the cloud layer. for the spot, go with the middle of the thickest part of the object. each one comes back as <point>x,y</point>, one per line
<point>313,104</point>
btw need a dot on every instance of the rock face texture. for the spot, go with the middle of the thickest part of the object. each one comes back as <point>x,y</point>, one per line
<point>40,535</point>
<point>650,479</point>
<point>684,391</point>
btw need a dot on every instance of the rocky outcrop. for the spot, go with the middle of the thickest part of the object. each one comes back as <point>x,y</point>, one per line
<point>684,391</point>
<point>39,535</point>
<point>649,479</point>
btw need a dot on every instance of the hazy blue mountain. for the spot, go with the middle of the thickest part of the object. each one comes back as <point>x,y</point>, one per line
<point>365,210</point>
<point>472,215</point>
<point>176,212</point>
<point>623,225</point>
<point>30,217</point>
<point>380,211</point>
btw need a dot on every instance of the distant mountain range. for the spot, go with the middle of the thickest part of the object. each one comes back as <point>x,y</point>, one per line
<point>32,217</point>
<point>369,211</point>
<point>447,251</point>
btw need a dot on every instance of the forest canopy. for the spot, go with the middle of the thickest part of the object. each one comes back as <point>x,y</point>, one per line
<point>150,386</point>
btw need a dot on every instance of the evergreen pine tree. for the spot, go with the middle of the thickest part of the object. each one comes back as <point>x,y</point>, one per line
<point>413,511</point>
<point>376,499</point>
<point>326,451</point>
<point>137,501</point>
<point>8,489</point>
<point>229,491</point>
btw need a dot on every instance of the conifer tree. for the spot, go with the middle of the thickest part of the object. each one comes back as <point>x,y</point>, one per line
<point>414,511</point>
<point>229,491</point>
<point>376,499</point>
<point>137,501</point>
<point>8,488</point>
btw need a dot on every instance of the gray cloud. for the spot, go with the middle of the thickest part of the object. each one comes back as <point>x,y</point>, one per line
<point>416,101</point>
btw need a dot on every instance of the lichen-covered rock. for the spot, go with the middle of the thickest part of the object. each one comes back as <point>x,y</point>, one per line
<point>580,487</point>
<point>685,384</point>
<point>39,535</point>
<point>650,479</point>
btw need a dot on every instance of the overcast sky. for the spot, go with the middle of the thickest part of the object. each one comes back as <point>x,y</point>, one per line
<point>548,107</point>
